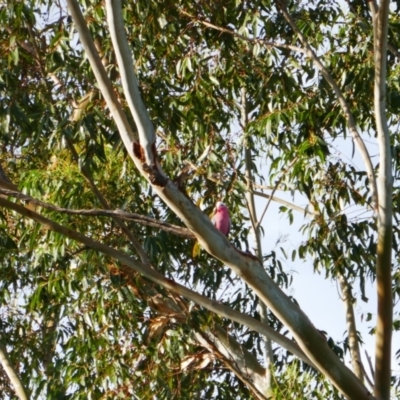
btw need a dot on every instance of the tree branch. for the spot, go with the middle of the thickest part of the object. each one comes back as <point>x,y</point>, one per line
<point>367,378</point>
<point>165,226</point>
<point>351,327</point>
<point>102,79</point>
<point>104,202</point>
<point>239,360</point>
<point>286,204</point>
<point>232,353</point>
<point>267,187</point>
<point>12,374</point>
<point>385,215</point>
<point>147,137</point>
<point>274,190</point>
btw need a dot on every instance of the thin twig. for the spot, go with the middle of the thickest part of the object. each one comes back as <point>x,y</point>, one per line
<point>264,42</point>
<point>368,379</point>
<point>371,368</point>
<point>179,231</point>
<point>274,190</point>
<point>285,203</point>
<point>267,187</point>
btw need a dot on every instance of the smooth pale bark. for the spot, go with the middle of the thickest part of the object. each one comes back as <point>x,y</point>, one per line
<point>147,136</point>
<point>287,204</point>
<point>248,268</point>
<point>19,388</point>
<point>351,327</point>
<point>385,185</point>
<point>242,363</point>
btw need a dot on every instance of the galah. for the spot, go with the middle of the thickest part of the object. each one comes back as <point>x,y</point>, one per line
<point>221,218</point>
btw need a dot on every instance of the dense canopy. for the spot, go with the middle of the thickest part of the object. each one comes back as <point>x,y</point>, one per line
<point>123,125</point>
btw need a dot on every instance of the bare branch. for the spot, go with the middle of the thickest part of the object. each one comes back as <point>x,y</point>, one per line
<point>12,374</point>
<point>101,77</point>
<point>351,327</point>
<point>248,173</point>
<point>267,187</point>
<point>165,226</point>
<point>239,360</point>
<point>229,351</point>
<point>147,136</point>
<point>367,378</point>
<point>371,368</point>
<point>286,204</point>
<point>385,214</point>
<point>274,190</point>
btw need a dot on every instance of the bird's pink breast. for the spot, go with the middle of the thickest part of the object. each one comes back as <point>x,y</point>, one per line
<point>221,221</point>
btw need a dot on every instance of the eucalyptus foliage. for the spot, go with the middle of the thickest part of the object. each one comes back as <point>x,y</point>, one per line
<point>77,323</point>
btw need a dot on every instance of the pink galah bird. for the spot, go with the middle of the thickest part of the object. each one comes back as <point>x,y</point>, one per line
<point>221,218</point>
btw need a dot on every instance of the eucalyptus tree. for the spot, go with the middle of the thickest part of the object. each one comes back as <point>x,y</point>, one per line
<point>122,127</point>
